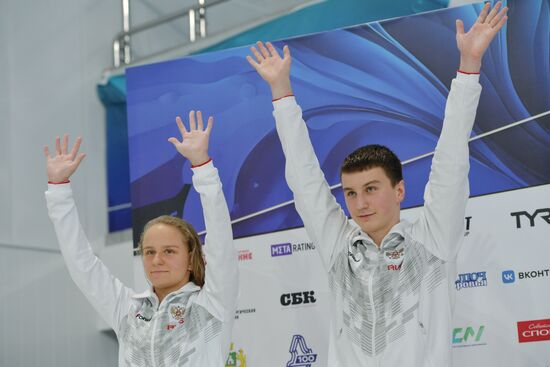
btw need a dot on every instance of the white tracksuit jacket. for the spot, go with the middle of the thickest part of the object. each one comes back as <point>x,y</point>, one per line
<point>382,317</point>
<point>192,326</point>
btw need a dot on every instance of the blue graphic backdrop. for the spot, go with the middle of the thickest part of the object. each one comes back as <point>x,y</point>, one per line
<point>382,83</point>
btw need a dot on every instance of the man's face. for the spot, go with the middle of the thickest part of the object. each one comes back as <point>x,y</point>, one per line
<point>372,201</point>
<point>165,258</point>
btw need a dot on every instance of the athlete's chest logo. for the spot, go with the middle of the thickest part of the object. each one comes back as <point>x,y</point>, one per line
<point>176,315</point>
<point>394,258</point>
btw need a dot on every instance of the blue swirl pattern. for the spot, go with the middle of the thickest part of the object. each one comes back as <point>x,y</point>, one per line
<point>382,83</point>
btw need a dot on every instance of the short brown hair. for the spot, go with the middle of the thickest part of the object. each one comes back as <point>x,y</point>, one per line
<point>189,234</point>
<point>371,156</point>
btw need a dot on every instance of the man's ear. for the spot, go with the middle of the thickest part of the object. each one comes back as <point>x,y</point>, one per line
<point>400,190</point>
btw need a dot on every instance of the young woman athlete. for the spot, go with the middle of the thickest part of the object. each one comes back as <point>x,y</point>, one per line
<point>186,317</point>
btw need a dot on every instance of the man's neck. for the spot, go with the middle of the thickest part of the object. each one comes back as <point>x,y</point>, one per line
<point>378,236</point>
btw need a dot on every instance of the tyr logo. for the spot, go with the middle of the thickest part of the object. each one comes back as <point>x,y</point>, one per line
<point>543,213</point>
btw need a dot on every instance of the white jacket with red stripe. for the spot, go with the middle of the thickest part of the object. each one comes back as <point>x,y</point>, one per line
<point>191,326</point>
<point>390,306</point>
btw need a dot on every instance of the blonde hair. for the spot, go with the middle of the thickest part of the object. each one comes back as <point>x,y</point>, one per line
<point>196,260</point>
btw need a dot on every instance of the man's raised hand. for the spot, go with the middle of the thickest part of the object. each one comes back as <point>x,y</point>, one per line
<point>472,45</point>
<point>273,68</point>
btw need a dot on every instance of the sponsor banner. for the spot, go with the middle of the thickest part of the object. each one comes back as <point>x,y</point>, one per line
<point>510,276</point>
<point>468,336</point>
<point>245,255</point>
<point>300,354</point>
<point>471,280</point>
<point>533,331</point>
<point>285,249</point>
<point>298,298</point>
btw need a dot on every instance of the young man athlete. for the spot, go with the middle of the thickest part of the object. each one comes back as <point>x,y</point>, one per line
<point>390,297</point>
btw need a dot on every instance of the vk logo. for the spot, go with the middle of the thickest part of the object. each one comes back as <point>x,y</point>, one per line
<point>305,357</point>
<point>508,276</point>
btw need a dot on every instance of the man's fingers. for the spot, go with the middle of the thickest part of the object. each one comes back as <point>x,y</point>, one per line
<point>199,121</point>
<point>272,49</point>
<point>259,57</point>
<point>192,124</point>
<point>174,141</point>
<point>500,23</point>
<point>181,126</point>
<point>46,152</point>
<point>251,61</point>
<point>493,13</point>
<point>263,50</point>
<point>286,52</point>
<point>58,145</point>
<point>210,124</point>
<point>76,147</point>
<point>497,19</point>
<point>483,13</point>
<point>459,27</point>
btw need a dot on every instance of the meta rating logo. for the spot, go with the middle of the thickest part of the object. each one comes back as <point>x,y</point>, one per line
<point>300,354</point>
<point>533,330</point>
<point>235,358</point>
<point>471,280</point>
<point>468,337</point>
<point>284,249</point>
<point>543,214</point>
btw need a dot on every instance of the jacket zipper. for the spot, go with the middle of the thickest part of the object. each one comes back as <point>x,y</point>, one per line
<point>371,299</point>
<point>153,362</point>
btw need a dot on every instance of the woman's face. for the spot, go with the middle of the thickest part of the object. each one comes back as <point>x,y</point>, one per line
<point>165,258</point>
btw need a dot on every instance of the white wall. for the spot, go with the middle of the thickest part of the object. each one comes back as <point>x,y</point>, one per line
<point>45,319</point>
<point>54,59</point>
<point>5,164</point>
<point>52,54</point>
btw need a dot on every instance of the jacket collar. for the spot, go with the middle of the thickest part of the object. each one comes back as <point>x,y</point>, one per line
<point>395,236</point>
<point>189,287</point>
